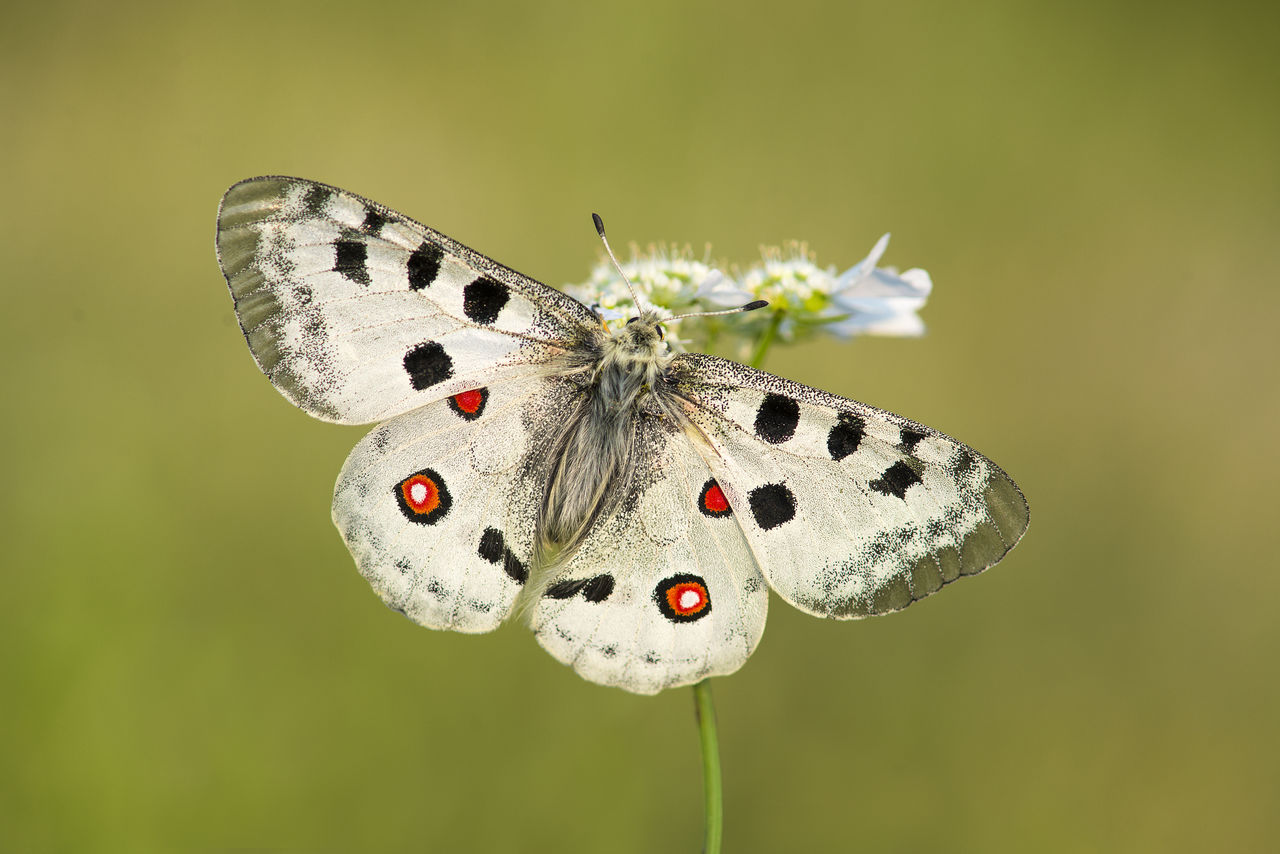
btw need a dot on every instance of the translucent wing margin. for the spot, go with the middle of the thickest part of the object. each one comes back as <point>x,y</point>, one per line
<point>850,510</point>
<point>357,313</point>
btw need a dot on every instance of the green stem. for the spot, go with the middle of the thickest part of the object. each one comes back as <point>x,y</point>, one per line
<point>766,338</point>
<point>711,789</point>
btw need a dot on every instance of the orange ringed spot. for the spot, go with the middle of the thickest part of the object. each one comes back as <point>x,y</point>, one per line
<point>422,497</point>
<point>687,598</point>
<point>683,598</point>
<point>421,494</point>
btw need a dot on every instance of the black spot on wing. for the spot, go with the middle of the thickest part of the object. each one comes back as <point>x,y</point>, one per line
<point>315,200</point>
<point>594,589</point>
<point>514,567</point>
<point>776,419</point>
<point>845,437</point>
<point>565,589</point>
<point>772,505</point>
<point>424,266</point>
<point>491,545</point>
<point>483,299</point>
<point>428,364</point>
<point>352,258</point>
<point>896,480</point>
<point>911,438</point>
<point>598,588</point>
<point>493,548</point>
<point>373,222</point>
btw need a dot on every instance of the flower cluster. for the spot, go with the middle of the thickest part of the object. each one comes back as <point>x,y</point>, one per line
<point>803,298</point>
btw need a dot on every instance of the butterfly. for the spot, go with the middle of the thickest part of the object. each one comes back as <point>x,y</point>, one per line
<point>633,504</point>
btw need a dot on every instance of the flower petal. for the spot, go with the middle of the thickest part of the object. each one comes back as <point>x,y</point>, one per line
<point>720,290</point>
<point>879,316</point>
<point>865,266</point>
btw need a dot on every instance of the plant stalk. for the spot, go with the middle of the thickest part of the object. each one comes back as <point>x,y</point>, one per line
<point>711,788</point>
<point>766,338</point>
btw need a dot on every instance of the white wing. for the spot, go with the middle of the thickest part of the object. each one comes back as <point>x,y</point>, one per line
<point>849,510</point>
<point>665,591</point>
<point>439,505</point>
<point>357,313</point>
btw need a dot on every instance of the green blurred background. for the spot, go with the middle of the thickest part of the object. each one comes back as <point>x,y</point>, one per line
<point>190,659</point>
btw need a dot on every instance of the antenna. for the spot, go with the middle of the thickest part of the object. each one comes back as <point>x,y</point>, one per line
<point>751,306</point>
<point>595,217</point>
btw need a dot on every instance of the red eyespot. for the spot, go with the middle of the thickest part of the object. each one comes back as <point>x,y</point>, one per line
<point>423,497</point>
<point>712,501</point>
<point>421,494</point>
<point>687,599</point>
<point>470,404</point>
<point>683,598</point>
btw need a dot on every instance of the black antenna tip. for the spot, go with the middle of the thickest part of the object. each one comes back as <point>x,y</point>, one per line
<point>595,217</point>
<point>752,306</point>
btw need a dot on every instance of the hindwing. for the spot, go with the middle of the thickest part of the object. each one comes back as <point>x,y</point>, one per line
<point>665,590</point>
<point>439,505</point>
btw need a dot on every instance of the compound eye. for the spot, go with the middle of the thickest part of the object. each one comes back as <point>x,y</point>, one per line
<point>631,320</point>
<point>662,333</point>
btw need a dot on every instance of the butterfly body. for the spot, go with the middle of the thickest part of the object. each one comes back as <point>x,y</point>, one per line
<point>617,380</point>
<point>635,504</point>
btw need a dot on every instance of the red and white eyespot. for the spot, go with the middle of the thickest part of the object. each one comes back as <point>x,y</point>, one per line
<point>423,497</point>
<point>682,598</point>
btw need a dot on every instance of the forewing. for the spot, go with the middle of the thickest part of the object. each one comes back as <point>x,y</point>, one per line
<point>439,505</point>
<point>849,510</point>
<point>357,313</point>
<point>664,591</point>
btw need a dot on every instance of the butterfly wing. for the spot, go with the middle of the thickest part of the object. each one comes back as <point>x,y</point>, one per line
<point>438,506</point>
<point>357,313</point>
<point>664,591</point>
<point>849,510</point>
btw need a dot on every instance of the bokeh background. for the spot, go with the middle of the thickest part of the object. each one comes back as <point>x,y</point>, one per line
<point>190,660</point>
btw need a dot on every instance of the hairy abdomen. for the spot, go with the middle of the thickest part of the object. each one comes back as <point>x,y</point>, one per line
<point>590,472</point>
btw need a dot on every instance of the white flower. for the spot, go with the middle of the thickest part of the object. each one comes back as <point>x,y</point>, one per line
<point>879,300</point>
<point>719,290</point>
<point>666,279</point>
<point>803,297</point>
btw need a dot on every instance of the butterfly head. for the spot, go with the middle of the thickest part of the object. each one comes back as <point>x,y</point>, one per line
<point>643,337</point>
<point>634,354</point>
<point>644,332</point>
